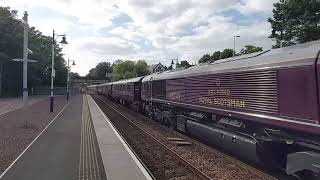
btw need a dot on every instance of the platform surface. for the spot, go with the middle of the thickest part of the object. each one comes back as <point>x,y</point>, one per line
<point>55,154</point>
<point>79,144</point>
<point>118,160</point>
<point>11,104</point>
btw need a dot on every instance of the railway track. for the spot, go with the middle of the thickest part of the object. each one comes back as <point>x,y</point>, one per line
<point>160,160</point>
<point>212,163</point>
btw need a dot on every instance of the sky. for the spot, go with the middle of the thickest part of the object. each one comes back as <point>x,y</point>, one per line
<point>151,30</point>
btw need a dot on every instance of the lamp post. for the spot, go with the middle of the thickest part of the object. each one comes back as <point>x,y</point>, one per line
<point>68,76</point>
<point>53,73</point>
<point>234,44</point>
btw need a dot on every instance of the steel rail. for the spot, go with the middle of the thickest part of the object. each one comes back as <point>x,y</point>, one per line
<point>226,156</point>
<point>183,161</point>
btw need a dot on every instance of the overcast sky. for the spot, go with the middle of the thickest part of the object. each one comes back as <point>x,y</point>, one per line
<point>156,31</point>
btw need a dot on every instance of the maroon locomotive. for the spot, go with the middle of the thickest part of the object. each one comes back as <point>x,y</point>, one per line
<point>262,106</point>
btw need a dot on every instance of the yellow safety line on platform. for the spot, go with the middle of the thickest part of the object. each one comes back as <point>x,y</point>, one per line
<point>88,165</point>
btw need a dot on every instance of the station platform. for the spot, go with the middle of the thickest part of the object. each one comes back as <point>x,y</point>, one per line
<point>11,104</point>
<point>79,143</point>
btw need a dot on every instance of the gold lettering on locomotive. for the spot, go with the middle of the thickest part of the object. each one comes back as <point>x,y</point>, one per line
<point>174,96</point>
<point>219,92</point>
<point>222,101</point>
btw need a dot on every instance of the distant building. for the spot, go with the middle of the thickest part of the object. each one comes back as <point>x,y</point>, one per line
<point>156,68</point>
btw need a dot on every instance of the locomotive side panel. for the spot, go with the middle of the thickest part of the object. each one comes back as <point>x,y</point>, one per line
<point>159,89</point>
<point>176,90</point>
<point>318,78</point>
<point>145,91</point>
<point>298,94</point>
<point>254,91</point>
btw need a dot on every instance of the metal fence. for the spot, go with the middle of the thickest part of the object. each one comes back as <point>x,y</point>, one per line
<point>56,91</point>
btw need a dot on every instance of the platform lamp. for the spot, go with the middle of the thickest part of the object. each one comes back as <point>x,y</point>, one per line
<point>53,73</point>
<point>68,76</point>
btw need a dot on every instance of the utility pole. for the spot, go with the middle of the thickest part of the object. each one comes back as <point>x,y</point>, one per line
<point>234,45</point>
<point>68,77</point>
<point>1,79</point>
<point>25,58</point>
<point>68,80</point>
<point>53,74</point>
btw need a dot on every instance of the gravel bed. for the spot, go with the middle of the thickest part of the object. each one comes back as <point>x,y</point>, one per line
<point>161,164</point>
<point>212,163</point>
<point>11,104</point>
<point>18,128</point>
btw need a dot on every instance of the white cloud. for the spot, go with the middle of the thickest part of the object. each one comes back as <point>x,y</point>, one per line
<point>255,6</point>
<point>159,30</point>
<point>47,25</point>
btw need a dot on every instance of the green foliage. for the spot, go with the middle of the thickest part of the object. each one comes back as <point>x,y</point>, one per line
<point>250,49</point>
<point>40,73</point>
<point>226,53</point>
<point>74,75</point>
<point>141,68</point>
<point>11,30</point>
<point>216,55</point>
<point>183,64</point>
<point>129,69</point>
<point>295,21</point>
<point>205,58</point>
<point>101,71</point>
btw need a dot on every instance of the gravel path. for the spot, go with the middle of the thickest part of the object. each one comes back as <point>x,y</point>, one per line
<point>212,163</point>
<point>11,104</point>
<point>19,127</point>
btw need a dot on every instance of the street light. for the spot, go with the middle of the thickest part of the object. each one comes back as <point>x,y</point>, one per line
<point>53,73</point>
<point>234,44</point>
<point>68,76</point>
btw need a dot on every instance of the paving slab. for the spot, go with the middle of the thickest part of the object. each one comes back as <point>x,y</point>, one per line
<point>119,161</point>
<point>11,104</point>
<point>55,154</point>
<point>20,127</point>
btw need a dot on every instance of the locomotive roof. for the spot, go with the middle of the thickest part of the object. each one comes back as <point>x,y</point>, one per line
<point>301,54</point>
<point>137,79</point>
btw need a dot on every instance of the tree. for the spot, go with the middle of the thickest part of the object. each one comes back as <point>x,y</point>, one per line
<point>141,68</point>
<point>183,64</point>
<point>216,55</point>
<point>129,69</point>
<point>250,49</point>
<point>102,69</point>
<point>205,58</point>
<point>226,53</point>
<point>295,21</point>
<point>39,73</point>
<point>74,75</point>
<point>100,72</point>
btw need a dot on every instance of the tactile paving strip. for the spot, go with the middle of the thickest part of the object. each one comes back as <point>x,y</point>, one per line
<point>90,165</point>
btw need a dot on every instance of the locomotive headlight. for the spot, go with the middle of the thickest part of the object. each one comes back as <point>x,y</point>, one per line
<point>289,141</point>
